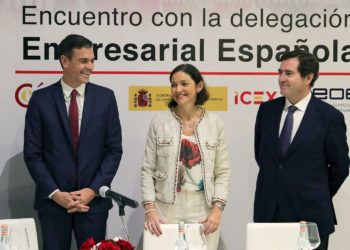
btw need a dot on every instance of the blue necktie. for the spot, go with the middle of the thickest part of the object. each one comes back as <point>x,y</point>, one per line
<point>286,133</point>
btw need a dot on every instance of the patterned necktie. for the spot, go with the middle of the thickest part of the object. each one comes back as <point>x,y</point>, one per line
<point>286,133</point>
<point>74,119</point>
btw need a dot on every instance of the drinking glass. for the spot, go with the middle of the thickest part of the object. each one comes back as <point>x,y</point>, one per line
<point>195,237</point>
<point>18,238</point>
<point>313,235</point>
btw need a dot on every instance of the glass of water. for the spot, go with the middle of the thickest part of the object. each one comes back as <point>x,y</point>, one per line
<point>313,235</point>
<point>195,237</point>
<point>18,238</point>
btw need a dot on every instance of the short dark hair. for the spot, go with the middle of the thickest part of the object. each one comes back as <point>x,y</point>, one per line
<point>193,72</point>
<point>308,64</point>
<point>71,42</point>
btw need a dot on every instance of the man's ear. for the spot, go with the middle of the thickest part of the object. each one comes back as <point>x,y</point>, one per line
<point>64,61</point>
<point>309,78</point>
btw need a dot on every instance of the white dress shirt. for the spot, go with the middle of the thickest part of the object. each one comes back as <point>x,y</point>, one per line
<point>67,90</point>
<point>297,115</point>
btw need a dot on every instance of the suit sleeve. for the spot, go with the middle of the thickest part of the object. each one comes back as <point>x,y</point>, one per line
<point>257,133</point>
<point>337,153</point>
<point>33,149</point>
<point>112,149</point>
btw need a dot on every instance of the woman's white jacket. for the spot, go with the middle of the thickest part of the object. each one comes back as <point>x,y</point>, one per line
<point>162,153</point>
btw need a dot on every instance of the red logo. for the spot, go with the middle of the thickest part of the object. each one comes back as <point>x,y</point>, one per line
<point>23,93</point>
<point>253,97</point>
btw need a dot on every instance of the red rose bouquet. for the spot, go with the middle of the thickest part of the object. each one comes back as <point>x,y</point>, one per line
<point>115,244</point>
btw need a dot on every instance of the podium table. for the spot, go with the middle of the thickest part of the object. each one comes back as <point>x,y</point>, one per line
<point>272,236</point>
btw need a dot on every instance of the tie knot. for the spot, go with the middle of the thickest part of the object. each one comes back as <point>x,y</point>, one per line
<point>74,93</point>
<point>291,109</point>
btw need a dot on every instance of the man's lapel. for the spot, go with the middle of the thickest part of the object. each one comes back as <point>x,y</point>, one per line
<point>88,107</point>
<point>307,123</point>
<point>276,120</point>
<point>61,108</point>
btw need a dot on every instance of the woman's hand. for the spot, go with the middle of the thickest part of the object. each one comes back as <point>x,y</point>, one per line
<point>153,220</point>
<point>212,222</point>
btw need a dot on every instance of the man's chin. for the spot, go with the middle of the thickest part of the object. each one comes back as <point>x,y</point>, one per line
<point>283,92</point>
<point>84,80</point>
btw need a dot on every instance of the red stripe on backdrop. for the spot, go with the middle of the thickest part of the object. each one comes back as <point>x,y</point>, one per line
<point>218,73</point>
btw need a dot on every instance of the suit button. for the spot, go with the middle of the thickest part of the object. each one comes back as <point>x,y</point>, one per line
<point>280,166</point>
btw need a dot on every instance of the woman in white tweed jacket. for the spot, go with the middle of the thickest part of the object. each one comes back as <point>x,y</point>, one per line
<point>185,171</point>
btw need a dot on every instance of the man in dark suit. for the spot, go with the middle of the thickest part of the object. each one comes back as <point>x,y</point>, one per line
<point>72,147</point>
<point>301,149</point>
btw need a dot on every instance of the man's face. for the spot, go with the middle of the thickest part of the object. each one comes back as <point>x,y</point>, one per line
<point>292,85</point>
<point>77,70</point>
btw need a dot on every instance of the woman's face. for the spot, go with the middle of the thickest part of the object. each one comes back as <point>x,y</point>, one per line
<point>183,89</point>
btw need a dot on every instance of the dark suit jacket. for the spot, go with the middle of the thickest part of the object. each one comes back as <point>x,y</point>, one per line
<point>303,182</point>
<point>48,151</point>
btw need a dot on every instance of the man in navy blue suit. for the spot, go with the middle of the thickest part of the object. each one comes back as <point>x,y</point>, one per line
<point>302,155</point>
<point>72,147</point>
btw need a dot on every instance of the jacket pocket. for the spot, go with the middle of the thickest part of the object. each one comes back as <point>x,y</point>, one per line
<point>164,145</point>
<point>211,148</point>
<point>160,175</point>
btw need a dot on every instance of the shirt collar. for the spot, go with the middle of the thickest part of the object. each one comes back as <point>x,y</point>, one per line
<point>67,90</point>
<point>301,105</point>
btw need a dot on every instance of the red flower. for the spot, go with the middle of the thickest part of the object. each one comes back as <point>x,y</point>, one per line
<point>108,245</point>
<point>88,244</point>
<point>125,245</point>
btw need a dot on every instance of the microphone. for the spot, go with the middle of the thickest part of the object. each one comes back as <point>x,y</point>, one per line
<point>106,192</point>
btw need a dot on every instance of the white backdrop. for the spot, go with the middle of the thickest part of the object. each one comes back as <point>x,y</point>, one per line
<point>251,34</point>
